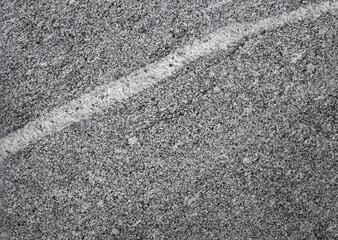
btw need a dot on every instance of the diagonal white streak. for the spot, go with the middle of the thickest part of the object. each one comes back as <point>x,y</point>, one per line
<point>115,91</point>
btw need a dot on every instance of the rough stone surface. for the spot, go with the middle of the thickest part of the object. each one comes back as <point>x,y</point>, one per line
<point>240,144</point>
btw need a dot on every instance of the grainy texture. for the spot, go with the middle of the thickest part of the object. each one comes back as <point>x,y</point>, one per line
<point>240,144</point>
<point>58,50</point>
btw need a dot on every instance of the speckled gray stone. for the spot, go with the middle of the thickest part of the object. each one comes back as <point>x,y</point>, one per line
<point>240,144</point>
<point>58,50</point>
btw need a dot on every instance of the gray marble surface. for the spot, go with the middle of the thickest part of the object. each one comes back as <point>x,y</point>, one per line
<point>240,144</point>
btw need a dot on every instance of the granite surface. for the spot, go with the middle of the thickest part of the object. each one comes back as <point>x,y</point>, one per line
<point>58,50</point>
<point>240,144</point>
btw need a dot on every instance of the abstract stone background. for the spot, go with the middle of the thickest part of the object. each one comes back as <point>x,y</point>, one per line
<point>239,144</point>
